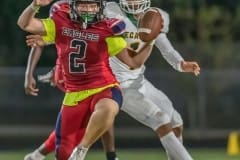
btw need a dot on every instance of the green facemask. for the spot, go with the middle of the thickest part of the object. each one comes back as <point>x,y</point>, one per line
<point>87,17</point>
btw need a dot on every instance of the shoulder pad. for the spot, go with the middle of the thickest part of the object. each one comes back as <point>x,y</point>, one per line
<point>112,10</point>
<point>117,26</point>
<point>62,6</point>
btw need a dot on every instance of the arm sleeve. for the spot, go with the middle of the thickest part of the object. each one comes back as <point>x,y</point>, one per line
<point>50,30</point>
<point>168,52</point>
<point>115,45</point>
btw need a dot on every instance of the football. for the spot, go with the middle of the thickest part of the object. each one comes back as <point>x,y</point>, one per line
<point>150,25</point>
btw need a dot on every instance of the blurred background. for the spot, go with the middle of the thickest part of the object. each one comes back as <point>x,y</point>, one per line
<point>206,31</point>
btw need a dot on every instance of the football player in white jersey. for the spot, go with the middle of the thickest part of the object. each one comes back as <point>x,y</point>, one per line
<point>142,100</point>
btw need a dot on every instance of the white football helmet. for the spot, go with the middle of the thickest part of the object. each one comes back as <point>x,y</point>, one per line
<point>134,6</point>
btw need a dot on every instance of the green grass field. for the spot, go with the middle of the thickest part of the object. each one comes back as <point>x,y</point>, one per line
<point>138,154</point>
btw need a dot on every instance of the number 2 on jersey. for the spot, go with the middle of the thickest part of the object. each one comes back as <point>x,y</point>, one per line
<point>78,55</point>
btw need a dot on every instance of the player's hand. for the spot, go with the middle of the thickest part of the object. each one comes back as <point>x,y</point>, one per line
<point>35,40</point>
<point>30,86</point>
<point>41,2</point>
<point>190,67</point>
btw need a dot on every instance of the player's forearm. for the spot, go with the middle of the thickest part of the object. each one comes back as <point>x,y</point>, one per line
<point>140,58</point>
<point>33,59</point>
<point>168,52</point>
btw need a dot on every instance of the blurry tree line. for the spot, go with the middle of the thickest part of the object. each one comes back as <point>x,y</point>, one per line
<point>204,30</point>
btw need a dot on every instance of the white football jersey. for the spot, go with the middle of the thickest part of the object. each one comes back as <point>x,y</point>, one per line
<point>141,100</point>
<point>121,70</point>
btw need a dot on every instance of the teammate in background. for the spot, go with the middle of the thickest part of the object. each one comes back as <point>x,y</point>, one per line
<point>142,100</point>
<point>55,78</point>
<point>84,41</point>
<point>150,106</point>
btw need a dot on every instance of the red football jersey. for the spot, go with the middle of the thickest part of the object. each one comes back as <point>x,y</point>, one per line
<point>58,76</point>
<point>83,53</point>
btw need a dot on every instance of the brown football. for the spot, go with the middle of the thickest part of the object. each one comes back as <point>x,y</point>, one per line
<point>150,25</point>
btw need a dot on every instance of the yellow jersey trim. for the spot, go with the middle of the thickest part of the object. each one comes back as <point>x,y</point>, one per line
<point>71,99</point>
<point>115,45</point>
<point>49,26</point>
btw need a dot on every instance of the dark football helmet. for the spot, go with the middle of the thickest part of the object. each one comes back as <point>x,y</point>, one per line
<point>86,16</point>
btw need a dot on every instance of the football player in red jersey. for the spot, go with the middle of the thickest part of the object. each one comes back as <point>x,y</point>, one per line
<point>55,78</point>
<point>84,40</point>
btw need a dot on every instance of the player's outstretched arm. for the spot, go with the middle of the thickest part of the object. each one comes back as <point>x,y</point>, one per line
<point>30,82</point>
<point>168,51</point>
<point>174,58</point>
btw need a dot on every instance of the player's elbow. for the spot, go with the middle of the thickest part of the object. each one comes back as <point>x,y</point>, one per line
<point>21,25</point>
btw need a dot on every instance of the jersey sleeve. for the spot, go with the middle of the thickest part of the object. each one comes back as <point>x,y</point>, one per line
<point>164,45</point>
<point>168,52</point>
<point>49,26</point>
<point>115,44</point>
